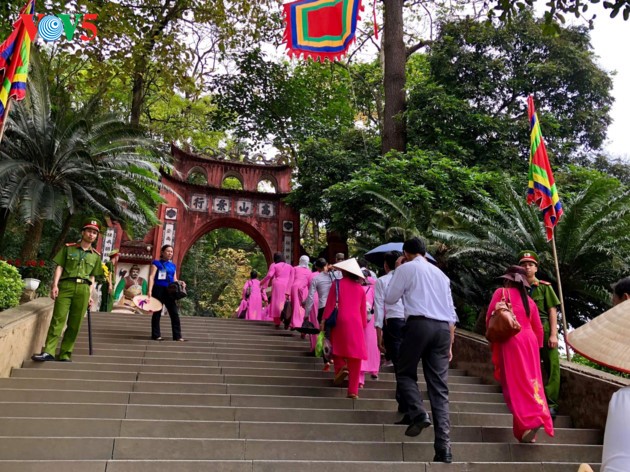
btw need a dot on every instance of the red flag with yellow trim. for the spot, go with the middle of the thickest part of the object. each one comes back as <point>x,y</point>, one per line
<point>542,186</point>
<point>14,58</point>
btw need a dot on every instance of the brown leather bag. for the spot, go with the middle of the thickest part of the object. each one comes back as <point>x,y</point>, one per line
<point>502,324</point>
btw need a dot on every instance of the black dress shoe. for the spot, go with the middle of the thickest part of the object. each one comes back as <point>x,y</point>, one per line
<point>553,411</point>
<point>406,420</point>
<point>43,357</point>
<point>418,423</point>
<point>443,455</point>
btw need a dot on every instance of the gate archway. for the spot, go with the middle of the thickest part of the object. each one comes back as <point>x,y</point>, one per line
<point>263,216</point>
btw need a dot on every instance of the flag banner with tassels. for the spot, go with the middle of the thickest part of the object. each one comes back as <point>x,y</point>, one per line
<point>14,57</point>
<point>542,187</point>
<point>321,29</point>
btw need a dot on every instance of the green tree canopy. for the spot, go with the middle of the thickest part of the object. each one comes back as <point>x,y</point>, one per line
<point>426,184</point>
<point>60,162</point>
<point>472,101</point>
<point>276,103</point>
<point>592,241</point>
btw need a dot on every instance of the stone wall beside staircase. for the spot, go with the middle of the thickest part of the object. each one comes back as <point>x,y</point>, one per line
<point>584,392</point>
<point>23,332</point>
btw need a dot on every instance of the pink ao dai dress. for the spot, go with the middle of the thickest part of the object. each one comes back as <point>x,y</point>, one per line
<point>517,366</point>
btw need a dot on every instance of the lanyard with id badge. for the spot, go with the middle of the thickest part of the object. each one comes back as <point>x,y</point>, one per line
<point>161,275</point>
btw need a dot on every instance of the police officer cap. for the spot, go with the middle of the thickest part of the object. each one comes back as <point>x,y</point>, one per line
<point>527,256</point>
<point>91,223</point>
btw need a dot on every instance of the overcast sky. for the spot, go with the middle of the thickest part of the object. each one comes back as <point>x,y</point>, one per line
<point>611,38</point>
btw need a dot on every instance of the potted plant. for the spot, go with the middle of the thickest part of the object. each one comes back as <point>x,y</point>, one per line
<point>31,274</point>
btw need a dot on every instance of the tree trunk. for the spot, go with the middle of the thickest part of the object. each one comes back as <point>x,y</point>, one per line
<point>137,97</point>
<point>65,229</point>
<point>394,128</point>
<point>172,11</point>
<point>315,235</point>
<point>32,239</point>
<point>5,213</point>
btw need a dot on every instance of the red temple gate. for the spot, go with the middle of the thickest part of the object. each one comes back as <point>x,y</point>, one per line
<point>196,209</point>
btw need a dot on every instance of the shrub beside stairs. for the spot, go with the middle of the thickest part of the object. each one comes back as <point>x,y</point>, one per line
<point>241,396</point>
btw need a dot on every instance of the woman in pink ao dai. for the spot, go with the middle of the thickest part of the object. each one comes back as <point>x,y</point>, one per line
<point>299,291</point>
<point>280,275</point>
<point>517,360</point>
<point>373,362</point>
<point>253,297</point>
<point>347,337</point>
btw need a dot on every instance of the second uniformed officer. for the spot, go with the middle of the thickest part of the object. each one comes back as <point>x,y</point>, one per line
<point>547,301</point>
<point>77,265</point>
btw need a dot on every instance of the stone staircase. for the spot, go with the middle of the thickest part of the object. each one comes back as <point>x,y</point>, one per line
<point>241,396</point>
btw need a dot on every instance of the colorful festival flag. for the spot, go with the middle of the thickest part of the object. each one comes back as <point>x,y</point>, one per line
<point>321,29</point>
<point>542,187</point>
<point>14,57</point>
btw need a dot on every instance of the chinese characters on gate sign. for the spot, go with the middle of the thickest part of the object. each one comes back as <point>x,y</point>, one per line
<point>288,247</point>
<point>266,209</point>
<point>108,243</point>
<point>221,205</point>
<point>169,234</point>
<point>244,207</point>
<point>199,203</point>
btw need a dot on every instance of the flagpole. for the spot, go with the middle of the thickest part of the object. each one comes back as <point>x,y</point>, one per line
<point>5,118</point>
<point>564,313</point>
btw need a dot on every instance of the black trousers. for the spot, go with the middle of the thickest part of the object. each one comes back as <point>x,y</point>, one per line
<point>427,340</point>
<point>161,293</point>
<point>392,337</point>
<point>320,314</point>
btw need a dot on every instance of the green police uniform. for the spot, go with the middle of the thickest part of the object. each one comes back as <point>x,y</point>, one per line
<point>74,296</point>
<point>542,293</point>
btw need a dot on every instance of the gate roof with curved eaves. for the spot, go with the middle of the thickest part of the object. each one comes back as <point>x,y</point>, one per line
<point>199,209</point>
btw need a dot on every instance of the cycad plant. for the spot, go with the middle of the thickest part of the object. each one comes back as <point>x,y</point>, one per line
<point>591,238</point>
<point>396,222</point>
<point>56,162</point>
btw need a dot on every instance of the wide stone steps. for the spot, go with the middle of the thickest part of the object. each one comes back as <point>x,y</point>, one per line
<point>276,466</point>
<point>91,427</point>
<point>242,396</point>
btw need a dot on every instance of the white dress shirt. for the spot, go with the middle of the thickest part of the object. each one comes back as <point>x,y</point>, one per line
<point>616,453</point>
<point>382,311</point>
<point>425,291</point>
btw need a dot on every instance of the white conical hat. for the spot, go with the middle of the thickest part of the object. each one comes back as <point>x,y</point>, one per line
<point>605,339</point>
<point>351,266</point>
<point>146,305</point>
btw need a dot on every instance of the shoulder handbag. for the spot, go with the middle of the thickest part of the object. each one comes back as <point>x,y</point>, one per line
<point>331,321</point>
<point>177,290</point>
<point>286,313</point>
<point>370,308</point>
<point>502,324</point>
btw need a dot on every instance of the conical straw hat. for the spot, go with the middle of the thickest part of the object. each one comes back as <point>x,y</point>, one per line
<point>141,302</point>
<point>351,266</point>
<point>606,339</point>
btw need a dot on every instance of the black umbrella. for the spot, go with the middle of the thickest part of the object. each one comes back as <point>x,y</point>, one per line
<point>377,255</point>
